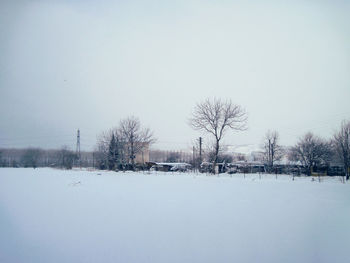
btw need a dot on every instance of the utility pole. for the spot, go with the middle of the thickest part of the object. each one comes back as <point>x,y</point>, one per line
<point>194,160</point>
<point>77,151</point>
<point>200,150</point>
<point>93,159</point>
<point>269,157</point>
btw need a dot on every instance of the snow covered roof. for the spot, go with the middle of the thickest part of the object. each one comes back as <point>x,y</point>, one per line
<point>244,148</point>
<point>174,164</point>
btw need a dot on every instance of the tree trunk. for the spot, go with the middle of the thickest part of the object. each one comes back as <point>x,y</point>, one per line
<point>216,155</point>
<point>309,171</point>
<point>132,156</point>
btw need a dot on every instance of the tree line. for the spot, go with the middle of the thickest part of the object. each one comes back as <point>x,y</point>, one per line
<point>123,147</point>
<point>36,157</point>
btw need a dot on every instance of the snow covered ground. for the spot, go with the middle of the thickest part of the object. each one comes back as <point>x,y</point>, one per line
<point>49,215</point>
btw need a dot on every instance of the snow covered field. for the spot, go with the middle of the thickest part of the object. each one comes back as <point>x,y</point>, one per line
<point>49,215</point>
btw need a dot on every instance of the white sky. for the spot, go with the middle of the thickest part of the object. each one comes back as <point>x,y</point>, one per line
<point>87,64</point>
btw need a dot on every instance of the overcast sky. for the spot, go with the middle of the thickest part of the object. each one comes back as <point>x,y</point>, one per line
<point>66,65</point>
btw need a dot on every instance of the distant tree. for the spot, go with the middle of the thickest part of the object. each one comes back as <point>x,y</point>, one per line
<point>2,163</point>
<point>341,142</point>
<point>157,155</point>
<point>210,154</point>
<point>30,157</point>
<point>272,149</point>
<point>66,158</point>
<point>311,151</point>
<point>2,160</point>
<point>134,137</point>
<point>240,157</point>
<point>196,152</point>
<point>216,117</point>
<point>226,158</point>
<point>173,157</point>
<point>14,163</point>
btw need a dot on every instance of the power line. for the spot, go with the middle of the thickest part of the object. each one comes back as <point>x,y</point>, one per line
<point>78,147</point>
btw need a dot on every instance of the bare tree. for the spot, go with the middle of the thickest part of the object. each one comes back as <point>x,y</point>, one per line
<point>216,117</point>
<point>135,137</point>
<point>311,151</point>
<point>102,148</point>
<point>341,142</point>
<point>272,149</point>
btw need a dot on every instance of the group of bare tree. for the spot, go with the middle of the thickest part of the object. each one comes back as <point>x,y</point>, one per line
<point>341,144</point>
<point>311,151</point>
<point>117,148</point>
<point>216,117</point>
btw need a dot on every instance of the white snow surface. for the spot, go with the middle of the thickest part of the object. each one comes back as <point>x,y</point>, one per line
<point>49,215</point>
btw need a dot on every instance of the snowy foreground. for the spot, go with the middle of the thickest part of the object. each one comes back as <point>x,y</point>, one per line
<point>49,215</point>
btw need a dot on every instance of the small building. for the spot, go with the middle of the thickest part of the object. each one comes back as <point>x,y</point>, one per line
<point>167,167</point>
